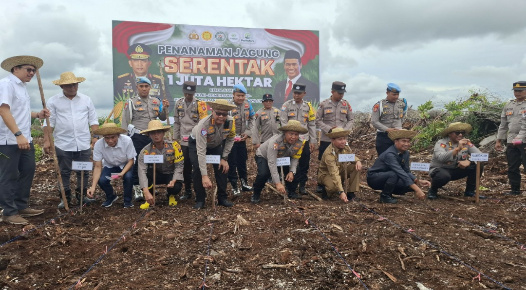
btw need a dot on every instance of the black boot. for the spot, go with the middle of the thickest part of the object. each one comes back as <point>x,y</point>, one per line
<point>255,197</point>
<point>515,190</point>
<point>387,198</point>
<point>319,188</point>
<point>245,186</point>
<point>293,195</point>
<point>68,198</point>
<point>302,189</point>
<point>235,190</point>
<point>187,194</point>
<point>324,194</point>
<point>432,193</point>
<point>350,195</point>
<point>224,202</point>
<point>199,205</point>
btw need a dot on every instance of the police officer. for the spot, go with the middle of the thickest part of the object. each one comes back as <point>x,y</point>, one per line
<point>188,112</point>
<point>213,135</point>
<point>508,130</point>
<point>266,122</point>
<point>388,115</point>
<point>243,115</point>
<point>169,172</point>
<point>390,172</point>
<point>139,61</point>
<point>331,174</point>
<point>297,109</point>
<point>286,144</point>
<point>451,160</point>
<point>138,111</point>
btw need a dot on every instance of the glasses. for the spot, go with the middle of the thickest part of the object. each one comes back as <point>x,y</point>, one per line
<point>222,114</point>
<point>30,70</point>
<point>459,132</point>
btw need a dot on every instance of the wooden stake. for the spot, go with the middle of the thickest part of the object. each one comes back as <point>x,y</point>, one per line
<point>283,182</point>
<point>477,191</point>
<point>154,183</point>
<point>214,197</point>
<point>52,145</point>
<point>81,189</point>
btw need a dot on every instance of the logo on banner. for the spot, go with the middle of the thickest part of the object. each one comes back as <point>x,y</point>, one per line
<point>233,37</point>
<point>206,35</point>
<point>193,36</point>
<point>220,36</point>
<point>247,37</point>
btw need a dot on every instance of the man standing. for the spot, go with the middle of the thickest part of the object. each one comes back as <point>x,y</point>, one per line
<point>388,115</point>
<point>299,110</point>
<point>188,112</point>
<point>170,172</point>
<point>72,115</point>
<point>113,156</point>
<point>390,172</point>
<point>332,172</point>
<point>137,112</point>
<point>243,115</point>
<point>17,165</point>
<point>283,89</point>
<point>266,122</point>
<point>451,160</point>
<point>213,135</point>
<point>282,145</point>
<point>508,130</point>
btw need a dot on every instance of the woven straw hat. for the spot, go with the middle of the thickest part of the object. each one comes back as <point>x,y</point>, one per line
<point>13,61</point>
<point>457,126</point>
<point>109,129</point>
<point>338,132</point>
<point>294,125</point>
<point>155,125</point>
<point>401,134</point>
<point>68,78</point>
<point>221,105</point>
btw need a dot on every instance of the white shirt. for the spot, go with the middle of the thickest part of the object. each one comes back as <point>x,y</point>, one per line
<point>71,120</point>
<point>116,156</point>
<point>13,92</point>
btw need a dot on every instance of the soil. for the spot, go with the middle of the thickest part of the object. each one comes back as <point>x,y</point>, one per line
<point>413,244</point>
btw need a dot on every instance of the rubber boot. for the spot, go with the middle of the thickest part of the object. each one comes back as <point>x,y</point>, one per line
<point>515,190</point>
<point>432,193</point>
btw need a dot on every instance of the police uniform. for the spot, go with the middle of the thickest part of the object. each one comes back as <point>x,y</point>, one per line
<point>207,138</point>
<point>170,169</point>
<point>331,173</point>
<point>304,113</point>
<point>508,130</point>
<point>266,125</point>
<point>331,115</point>
<point>387,115</point>
<point>186,116</point>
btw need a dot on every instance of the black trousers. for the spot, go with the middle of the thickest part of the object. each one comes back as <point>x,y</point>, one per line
<point>65,162</point>
<point>516,155</point>
<point>323,146</point>
<point>139,142</point>
<point>388,182</point>
<point>441,176</point>
<point>187,169</point>
<point>302,170</point>
<point>382,142</point>
<point>200,192</point>
<point>264,175</point>
<point>237,162</point>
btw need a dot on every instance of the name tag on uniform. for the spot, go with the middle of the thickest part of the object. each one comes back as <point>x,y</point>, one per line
<point>78,165</point>
<point>346,157</point>
<point>479,157</point>
<point>185,138</point>
<point>153,158</point>
<point>283,161</point>
<point>419,166</point>
<point>213,159</point>
<point>237,138</point>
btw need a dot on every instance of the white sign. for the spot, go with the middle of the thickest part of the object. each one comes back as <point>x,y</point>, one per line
<point>78,165</point>
<point>153,158</point>
<point>283,161</point>
<point>479,157</point>
<point>213,159</point>
<point>419,166</point>
<point>346,158</point>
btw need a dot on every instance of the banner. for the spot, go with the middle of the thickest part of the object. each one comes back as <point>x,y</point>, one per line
<point>216,58</point>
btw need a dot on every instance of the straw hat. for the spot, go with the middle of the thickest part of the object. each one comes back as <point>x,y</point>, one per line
<point>13,61</point>
<point>221,105</point>
<point>68,78</point>
<point>155,125</point>
<point>109,129</point>
<point>293,125</point>
<point>457,126</point>
<point>338,132</point>
<point>401,134</point>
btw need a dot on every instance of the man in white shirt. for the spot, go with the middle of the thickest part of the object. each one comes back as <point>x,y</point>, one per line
<point>116,153</point>
<point>72,115</point>
<point>17,154</point>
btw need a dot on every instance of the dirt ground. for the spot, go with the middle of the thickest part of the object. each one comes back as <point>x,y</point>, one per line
<point>442,244</point>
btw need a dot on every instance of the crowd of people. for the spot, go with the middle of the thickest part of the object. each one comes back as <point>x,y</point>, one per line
<point>284,136</point>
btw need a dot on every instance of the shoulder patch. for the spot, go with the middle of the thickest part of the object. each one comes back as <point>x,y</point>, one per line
<point>376,107</point>
<point>203,132</point>
<point>156,76</point>
<point>442,145</point>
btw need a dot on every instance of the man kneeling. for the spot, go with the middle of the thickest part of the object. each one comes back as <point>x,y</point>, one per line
<point>331,174</point>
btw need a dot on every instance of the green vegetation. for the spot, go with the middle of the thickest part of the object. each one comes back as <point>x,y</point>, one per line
<point>38,152</point>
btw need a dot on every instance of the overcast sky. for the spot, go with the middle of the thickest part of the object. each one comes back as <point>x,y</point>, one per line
<point>433,49</point>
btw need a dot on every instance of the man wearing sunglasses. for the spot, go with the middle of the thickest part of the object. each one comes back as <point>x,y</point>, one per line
<point>72,116</point>
<point>17,154</point>
<point>451,160</point>
<point>508,130</point>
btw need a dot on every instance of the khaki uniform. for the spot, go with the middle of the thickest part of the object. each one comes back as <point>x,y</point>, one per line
<point>209,135</point>
<point>276,147</point>
<point>443,154</point>
<point>126,86</point>
<point>244,117</point>
<point>173,161</point>
<point>139,112</point>
<point>266,124</point>
<point>510,120</point>
<point>331,114</point>
<point>331,173</point>
<point>388,115</point>
<point>304,113</point>
<point>186,116</point>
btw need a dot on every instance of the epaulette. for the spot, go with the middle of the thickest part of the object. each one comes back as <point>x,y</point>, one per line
<point>156,76</point>
<point>123,75</point>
